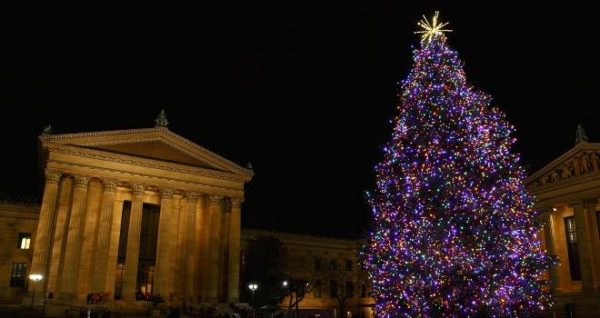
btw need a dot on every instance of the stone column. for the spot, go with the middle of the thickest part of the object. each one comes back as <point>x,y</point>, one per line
<point>203,252</point>
<point>113,249</point>
<point>214,245</point>
<point>43,235</point>
<point>584,247</point>
<point>102,243</point>
<point>163,253</point>
<point>189,273</point>
<point>549,240</point>
<point>61,223</point>
<point>69,278</point>
<point>132,253</point>
<point>234,251</point>
<point>224,266</point>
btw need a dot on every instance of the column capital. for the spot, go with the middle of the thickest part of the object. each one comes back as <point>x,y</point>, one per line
<point>576,204</point>
<point>53,176</point>
<point>215,199</point>
<point>546,210</point>
<point>590,203</point>
<point>81,181</point>
<point>192,196</point>
<point>166,193</point>
<point>236,203</point>
<point>137,189</point>
<point>110,185</point>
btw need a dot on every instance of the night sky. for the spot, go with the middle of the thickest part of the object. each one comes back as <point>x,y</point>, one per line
<point>304,91</point>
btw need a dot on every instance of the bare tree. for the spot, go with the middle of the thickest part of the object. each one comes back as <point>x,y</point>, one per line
<point>345,292</point>
<point>266,259</point>
<point>296,289</point>
<point>298,284</point>
<point>342,284</point>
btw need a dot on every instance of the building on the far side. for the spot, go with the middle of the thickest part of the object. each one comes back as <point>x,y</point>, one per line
<point>18,223</point>
<point>567,192</point>
<point>332,267</point>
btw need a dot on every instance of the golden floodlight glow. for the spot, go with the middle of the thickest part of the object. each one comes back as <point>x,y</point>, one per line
<point>431,29</point>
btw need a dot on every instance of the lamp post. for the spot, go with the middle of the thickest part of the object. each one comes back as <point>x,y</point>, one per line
<point>35,278</point>
<point>253,287</point>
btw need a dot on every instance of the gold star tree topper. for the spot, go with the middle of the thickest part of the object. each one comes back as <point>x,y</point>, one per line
<point>431,29</point>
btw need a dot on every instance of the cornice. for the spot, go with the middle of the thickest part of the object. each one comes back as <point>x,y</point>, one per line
<point>291,237</point>
<point>565,184</point>
<point>127,177</point>
<point>143,162</point>
<point>26,207</point>
<point>575,169</point>
<point>584,146</point>
<point>24,214</point>
<point>143,134</point>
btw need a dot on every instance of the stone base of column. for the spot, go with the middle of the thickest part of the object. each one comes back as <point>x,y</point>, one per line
<point>38,300</point>
<point>557,291</point>
<point>233,301</point>
<point>65,297</point>
<point>588,291</point>
<point>210,300</point>
<point>129,299</point>
<point>118,308</point>
<point>54,308</point>
<point>578,302</point>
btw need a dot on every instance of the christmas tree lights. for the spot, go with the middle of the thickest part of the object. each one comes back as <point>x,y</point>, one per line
<point>454,228</point>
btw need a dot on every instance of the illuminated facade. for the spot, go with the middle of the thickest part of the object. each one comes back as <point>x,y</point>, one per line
<point>567,192</point>
<point>176,206</point>
<point>18,222</point>
<point>127,213</point>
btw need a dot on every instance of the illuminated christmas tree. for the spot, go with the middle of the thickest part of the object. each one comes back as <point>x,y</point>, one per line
<point>454,230</point>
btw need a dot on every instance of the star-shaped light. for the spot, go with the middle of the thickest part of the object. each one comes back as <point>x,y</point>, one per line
<point>433,29</point>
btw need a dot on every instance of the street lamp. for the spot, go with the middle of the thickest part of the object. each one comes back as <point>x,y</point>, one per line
<point>35,278</point>
<point>253,287</point>
<point>285,283</point>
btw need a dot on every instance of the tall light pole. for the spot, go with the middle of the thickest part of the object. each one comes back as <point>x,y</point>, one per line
<point>34,278</point>
<point>253,287</point>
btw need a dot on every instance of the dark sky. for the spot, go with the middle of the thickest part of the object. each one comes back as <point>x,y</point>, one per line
<point>303,90</point>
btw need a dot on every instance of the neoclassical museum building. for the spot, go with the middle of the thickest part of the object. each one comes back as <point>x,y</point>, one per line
<point>567,192</point>
<point>126,212</point>
<point>146,211</point>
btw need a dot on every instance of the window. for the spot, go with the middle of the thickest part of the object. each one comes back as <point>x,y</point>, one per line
<point>598,221</point>
<point>349,265</point>
<point>333,265</point>
<point>363,290</point>
<point>317,264</point>
<point>24,241</point>
<point>333,289</point>
<point>317,288</point>
<point>572,245</point>
<point>17,274</point>
<point>349,289</point>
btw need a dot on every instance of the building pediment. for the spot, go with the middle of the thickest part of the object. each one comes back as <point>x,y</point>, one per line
<point>159,144</point>
<point>578,165</point>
